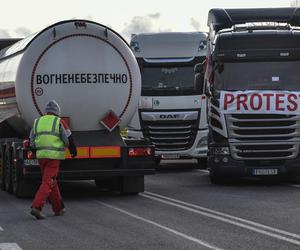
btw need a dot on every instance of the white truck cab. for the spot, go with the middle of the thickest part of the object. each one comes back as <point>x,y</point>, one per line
<point>172,109</point>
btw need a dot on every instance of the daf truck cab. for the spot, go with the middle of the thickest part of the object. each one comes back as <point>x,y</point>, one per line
<point>253,84</point>
<point>172,109</point>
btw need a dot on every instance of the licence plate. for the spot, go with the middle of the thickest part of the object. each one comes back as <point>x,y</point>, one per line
<point>29,162</point>
<point>265,172</point>
<point>170,156</point>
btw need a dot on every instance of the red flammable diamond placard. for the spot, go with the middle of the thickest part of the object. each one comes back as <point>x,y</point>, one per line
<point>110,121</point>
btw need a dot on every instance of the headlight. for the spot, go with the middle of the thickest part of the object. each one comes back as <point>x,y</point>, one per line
<point>220,151</point>
<point>202,142</point>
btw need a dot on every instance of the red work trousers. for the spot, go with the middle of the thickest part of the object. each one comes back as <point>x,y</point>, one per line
<point>49,188</point>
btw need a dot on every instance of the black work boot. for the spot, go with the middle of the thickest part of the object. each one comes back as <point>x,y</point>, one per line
<point>37,213</point>
<point>61,212</point>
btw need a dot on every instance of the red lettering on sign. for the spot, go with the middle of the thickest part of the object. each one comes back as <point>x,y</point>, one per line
<point>268,100</point>
<point>228,98</point>
<point>242,99</point>
<point>279,101</point>
<point>258,103</point>
<point>292,104</point>
<point>261,102</point>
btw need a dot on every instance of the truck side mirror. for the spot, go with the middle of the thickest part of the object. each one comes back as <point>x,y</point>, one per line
<point>199,77</point>
<point>199,68</point>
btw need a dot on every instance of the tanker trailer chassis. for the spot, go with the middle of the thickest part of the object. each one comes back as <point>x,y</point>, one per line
<point>91,72</point>
<point>119,166</point>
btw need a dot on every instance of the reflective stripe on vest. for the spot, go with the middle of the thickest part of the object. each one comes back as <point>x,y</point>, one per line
<point>47,138</point>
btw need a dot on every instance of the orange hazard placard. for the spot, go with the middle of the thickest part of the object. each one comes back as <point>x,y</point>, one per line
<point>110,121</point>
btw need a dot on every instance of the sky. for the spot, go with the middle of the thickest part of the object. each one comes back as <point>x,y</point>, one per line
<point>20,18</point>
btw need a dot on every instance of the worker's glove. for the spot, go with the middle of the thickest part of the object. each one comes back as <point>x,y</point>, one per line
<point>73,152</point>
<point>72,147</point>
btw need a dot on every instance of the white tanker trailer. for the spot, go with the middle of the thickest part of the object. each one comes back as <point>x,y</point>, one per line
<point>91,72</point>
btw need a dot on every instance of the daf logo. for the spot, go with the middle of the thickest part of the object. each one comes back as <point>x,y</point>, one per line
<point>169,116</point>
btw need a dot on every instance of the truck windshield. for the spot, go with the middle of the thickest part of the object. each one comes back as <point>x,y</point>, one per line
<point>280,75</point>
<point>173,80</point>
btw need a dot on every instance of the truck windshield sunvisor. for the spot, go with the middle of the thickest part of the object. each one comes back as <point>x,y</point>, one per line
<point>258,76</point>
<point>162,80</point>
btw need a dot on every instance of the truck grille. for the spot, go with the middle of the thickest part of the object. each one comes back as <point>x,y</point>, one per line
<point>263,136</point>
<point>171,135</point>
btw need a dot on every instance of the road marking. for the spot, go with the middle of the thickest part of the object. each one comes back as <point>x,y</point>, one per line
<point>225,215</point>
<point>1,228</point>
<point>9,246</point>
<point>294,185</point>
<point>203,171</point>
<point>198,241</point>
<point>237,221</point>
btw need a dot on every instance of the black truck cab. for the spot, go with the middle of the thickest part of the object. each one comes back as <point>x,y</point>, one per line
<point>253,86</point>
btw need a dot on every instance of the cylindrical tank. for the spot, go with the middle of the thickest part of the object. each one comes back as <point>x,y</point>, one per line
<point>86,67</point>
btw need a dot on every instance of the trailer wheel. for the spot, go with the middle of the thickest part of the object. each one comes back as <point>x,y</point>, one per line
<point>20,187</point>
<point>99,183</point>
<point>202,163</point>
<point>104,183</point>
<point>131,185</point>
<point>157,161</point>
<point>2,171</point>
<point>215,179</point>
<point>7,170</point>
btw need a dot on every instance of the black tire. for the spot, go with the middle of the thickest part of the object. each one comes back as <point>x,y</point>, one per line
<point>2,172</point>
<point>157,160</point>
<point>98,183</point>
<point>108,184</point>
<point>103,183</point>
<point>202,163</point>
<point>129,193</point>
<point>20,187</point>
<point>216,179</point>
<point>131,185</point>
<point>15,178</point>
<point>25,189</point>
<point>7,171</point>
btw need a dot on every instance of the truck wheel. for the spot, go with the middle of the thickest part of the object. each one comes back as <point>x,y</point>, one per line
<point>131,185</point>
<point>19,187</point>
<point>98,183</point>
<point>8,172</point>
<point>104,183</point>
<point>202,163</point>
<point>2,172</point>
<point>24,188</point>
<point>113,184</point>
<point>215,179</point>
<point>157,162</point>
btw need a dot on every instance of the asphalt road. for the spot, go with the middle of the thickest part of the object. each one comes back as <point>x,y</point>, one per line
<point>180,209</point>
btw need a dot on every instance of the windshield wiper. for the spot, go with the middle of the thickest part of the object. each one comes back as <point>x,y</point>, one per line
<point>168,88</point>
<point>148,88</point>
